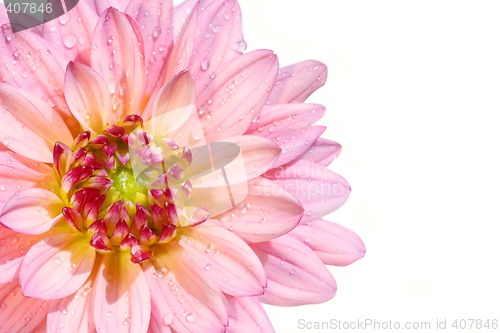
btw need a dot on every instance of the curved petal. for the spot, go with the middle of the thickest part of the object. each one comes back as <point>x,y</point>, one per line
<point>32,211</point>
<point>29,62</point>
<point>29,126</point>
<point>73,313</point>
<point>19,313</point>
<point>72,32</point>
<point>333,243</point>
<point>226,259</point>
<point>182,11</point>
<point>120,298</point>
<point>247,315</point>
<point>320,190</point>
<point>14,246</point>
<point>154,17</point>
<point>88,97</point>
<point>18,173</point>
<point>322,152</point>
<point>182,296</point>
<point>267,212</point>
<point>232,97</point>
<point>296,276</point>
<point>57,266</point>
<point>118,57</point>
<point>297,82</point>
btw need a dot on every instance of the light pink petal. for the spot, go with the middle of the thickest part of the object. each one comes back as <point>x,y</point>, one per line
<point>57,266</point>
<point>182,12</point>
<point>120,299</point>
<point>29,126</point>
<point>18,172</point>
<point>3,14</point>
<point>233,96</point>
<point>19,313</point>
<point>219,38</point>
<point>296,276</point>
<point>118,57</point>
<point>183,298</point>
<point>31,63</point>
<point>14,246</point>
<point>226,259</point>
<point>296,82</point>
<point>259,154</point>
<point>155,21</point>
<point>322,152</point>
<point>73,313</point>
<point>88,97</point>
<point>267,212</point>
<point>71,34</point>
<point>247,315</point>
<point>32,211</point>
<point>320,190</point>
<point>333,243</point>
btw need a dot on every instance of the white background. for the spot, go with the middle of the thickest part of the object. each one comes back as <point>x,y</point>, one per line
<point>413,96</point>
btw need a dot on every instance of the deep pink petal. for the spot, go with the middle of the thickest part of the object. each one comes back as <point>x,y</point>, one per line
<point>155,21</point>
<point>247,315</point>
<point>32,211</point>
<point>226,259</point>
<point>120,298</point>
<point>72,313</point>
<point>296,82</point>
<point>267,212</point>
<point>29,126</point>
<point>57,266</point>
<point>31,63</point>
<point>333,243</point>
<point>19,313</point>
<point>296,276</point>
<point>71,34</point>
<point>18,173</point>
<point>88,97</point>
<point>232,97</point>
<point>183,298</point>
<point>322,152</point>
<point>118,57</point>
<point>320,190</point>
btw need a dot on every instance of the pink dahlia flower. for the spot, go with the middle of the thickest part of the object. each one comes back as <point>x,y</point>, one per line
<point>156,178</point>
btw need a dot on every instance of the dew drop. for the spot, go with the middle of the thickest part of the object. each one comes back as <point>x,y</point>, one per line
<point>69,40</point>
<point>5,141</point>
<point>240,46</point>
<point>226,17</point>
<point>63,19</point>
<point>209,248</point>
<point>204,65</point>
<point>191,318</point>
<point>208,267</point>
<point>2,187</point>
<point>214,27</point>
<point>109,314</point>
<point>126,321</point>
<point>168,319</point>
<point>156,32</point>
<point>57,260</point>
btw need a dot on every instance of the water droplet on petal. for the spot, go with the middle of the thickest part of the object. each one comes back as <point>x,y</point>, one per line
<point>109,314</point>
<point>2,187</point>
<point>156,32</point>
<point>168,319</point>
<point>240,46</point>
<point>204,65</point>
<point>63,19</point>
<point>69,40</point>
<point>191,318</point>
<point>57,260</point>
<point>208,267</point>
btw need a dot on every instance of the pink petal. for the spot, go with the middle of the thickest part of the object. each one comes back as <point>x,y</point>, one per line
<point>226,259</point>
<point>320,190</point>
<point>18,172</point>
<point>14,246</point>
<point>118,57</point>
<point>3,14</point>
<point>233,96</point>
<point>120,298</point>
<point>296,276</point>
<point>32,211</point>
<point>31,63</point>
<point>182,12</point>
<point>72,313</point>
<point>219,38</point>
<point>247,315</point>
<point>88,97</point>
<point>57,266</point>
<point>155,19</point>
<point>322,152</point>
<point>267,212</point>
<point>333,243</point>
<point>72,33</point>
<point>259,154</point>
<point>183,298</point>
<point>19,313</point>
<point>29,126</point>
<point>296,82</point>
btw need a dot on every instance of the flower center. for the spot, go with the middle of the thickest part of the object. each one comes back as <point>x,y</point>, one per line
<point>124,189</point>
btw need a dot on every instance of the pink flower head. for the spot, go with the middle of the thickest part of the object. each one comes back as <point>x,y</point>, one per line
<point>156,178</point>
